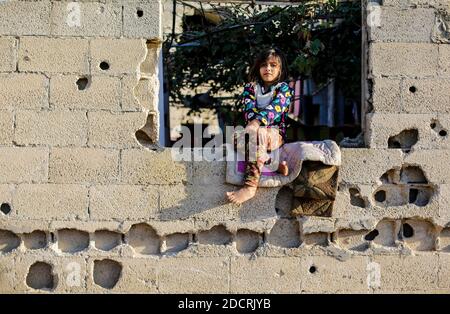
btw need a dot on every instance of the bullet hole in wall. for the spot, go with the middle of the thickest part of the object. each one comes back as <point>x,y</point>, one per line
<point>371,235</point>
<point>356,199</point>
<point>5,208</point>
<point>82,83</point>
<point>380,196</point>
<point>104,65</point>
<point>404,140</point>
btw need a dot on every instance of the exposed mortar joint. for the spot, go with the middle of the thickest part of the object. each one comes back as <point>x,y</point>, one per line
<point>89,200</point>
<point>87,130</point>
<point>16,55</point>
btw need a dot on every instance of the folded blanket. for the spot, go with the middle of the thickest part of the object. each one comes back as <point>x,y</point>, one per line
<point>294,154</point>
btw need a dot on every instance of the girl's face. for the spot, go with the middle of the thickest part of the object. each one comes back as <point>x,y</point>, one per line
<point>270,70</point>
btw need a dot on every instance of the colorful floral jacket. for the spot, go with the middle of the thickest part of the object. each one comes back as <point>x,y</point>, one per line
<point>275,113</point>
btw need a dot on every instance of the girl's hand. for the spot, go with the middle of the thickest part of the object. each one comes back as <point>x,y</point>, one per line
<point>253,125</point>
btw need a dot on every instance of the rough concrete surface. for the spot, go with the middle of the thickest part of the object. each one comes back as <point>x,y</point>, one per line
<point>85,207</point>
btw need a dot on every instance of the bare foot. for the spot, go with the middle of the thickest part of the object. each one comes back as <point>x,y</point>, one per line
<point>244,194</point>
<point>283,168</point>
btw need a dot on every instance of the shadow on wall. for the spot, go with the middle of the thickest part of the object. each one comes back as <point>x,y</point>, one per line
<point>209,201</point>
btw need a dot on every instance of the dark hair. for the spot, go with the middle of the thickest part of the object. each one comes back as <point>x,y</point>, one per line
<point>254,75</point>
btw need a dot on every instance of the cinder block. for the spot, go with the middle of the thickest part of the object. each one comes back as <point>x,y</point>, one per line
<point>23,91</point>
<point>7,127</point>
<point>23,164</point>
<point>25,17</point>
<point>423,236</point>
<point>86,19</point>
<point>109,55</point>
<point>83,165</point>
<point>71,92</point>
<point>113,130</point>
<point>148,167</point>
<point>54,55</point>
<point>413,25</point>
<point>327,274</point>
<point>66,274</point>
<point>51,201</point>
<point>139,275</point>
<point>200,275</point>
<point>444,60</point>
<point>396,206</point>
<point>363,165</point>
<point>433,163</point>
<point>8,53</point>
<point>407,273</point>
<point>382,126</point>
<point>386,95</point>
<point>426,95</point>
<point>51,127</point>
<point>417,59</point>
<point>71,273</point>
<point>123,202</point>
<point>265,275</point>
<point>142,19</point>
<point>182,201</point>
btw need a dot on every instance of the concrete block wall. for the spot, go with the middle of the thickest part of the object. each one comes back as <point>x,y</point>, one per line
<point>89,202</point>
